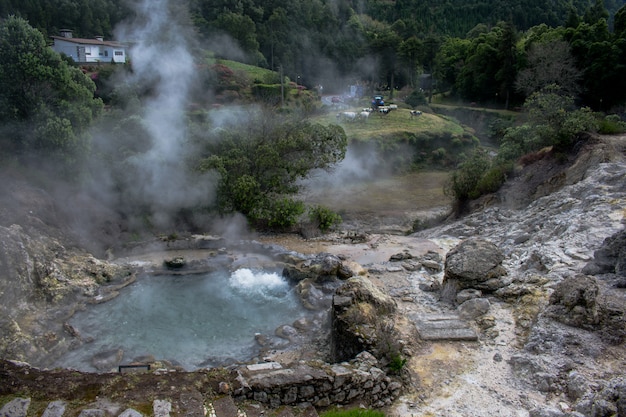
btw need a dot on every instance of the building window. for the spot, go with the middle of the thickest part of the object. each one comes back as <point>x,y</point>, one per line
<point>87,50</point>
<point>106,53</point>
<point>119,53</point>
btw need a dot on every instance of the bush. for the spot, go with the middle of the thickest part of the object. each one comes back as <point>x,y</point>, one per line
<point>492,180</point>
<point>611,125</point>
<point>463,182</point>
<point>279,214</point>
<point>324,217</point>
<point>397,363</point>
<point>267,92</point>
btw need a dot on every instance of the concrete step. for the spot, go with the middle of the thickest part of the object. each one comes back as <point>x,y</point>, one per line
<point>444,328</point>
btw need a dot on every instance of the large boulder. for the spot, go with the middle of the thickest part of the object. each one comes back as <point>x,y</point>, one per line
<point>585,302</point>
<point>475,264</point>
<point>361,320</point>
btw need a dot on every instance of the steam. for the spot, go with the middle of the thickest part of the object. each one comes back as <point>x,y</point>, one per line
<point>162,64</point>
<point>362,164</point>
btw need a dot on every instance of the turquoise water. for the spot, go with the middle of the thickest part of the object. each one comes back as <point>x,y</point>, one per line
<point>195,321</point>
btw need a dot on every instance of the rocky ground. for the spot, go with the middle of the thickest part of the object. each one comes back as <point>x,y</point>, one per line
<point>530,358</point>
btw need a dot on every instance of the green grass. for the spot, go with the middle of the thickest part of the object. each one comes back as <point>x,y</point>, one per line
<point>355,412</point>
<point>253,72</point>
<point>396,121</point>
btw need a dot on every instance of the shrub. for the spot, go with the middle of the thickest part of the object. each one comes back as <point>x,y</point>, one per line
<point>492,180</point>
<point>611,124</point>
<point>324,217</point>
<point>463,182</point>
<point>397,363</point>
<point>281,214</point>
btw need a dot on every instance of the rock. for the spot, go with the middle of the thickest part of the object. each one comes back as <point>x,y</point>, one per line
<point>584,301</point>
<point>468,294</point>
<point>286,332</point>
<point>610,258</point>
<point>473,263</point>
<point>17,407</point>
<point>327,265</point>
<point>432,261</point>
<point>224,388</point>
<point>54,409</point>
<point>473,308</point>
<point>431,265</point>
<point>349,269</point>
<point>161,408</point>
<point>129,412</point>
<point>359,321</point>
<point>322,268</point>
<point>313,298</point>
<point>402,256</point>
<point>175,263</point>
<point>577,385</point>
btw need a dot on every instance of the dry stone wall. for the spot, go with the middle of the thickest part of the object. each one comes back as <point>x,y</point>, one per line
<point>319,384</point>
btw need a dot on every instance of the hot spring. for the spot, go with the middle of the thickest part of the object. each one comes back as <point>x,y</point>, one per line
<point>193,320</point>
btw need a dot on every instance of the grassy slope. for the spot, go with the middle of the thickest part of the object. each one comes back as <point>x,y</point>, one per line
<point>395,122</point>
<point>377,126</point>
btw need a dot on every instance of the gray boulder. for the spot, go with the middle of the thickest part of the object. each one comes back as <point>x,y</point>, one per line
<point>361,320</point>
<point>476,264</point>
<point>610,258</point>
<point>474,308</point>
<point>17,407</point>
<point>585,302</point>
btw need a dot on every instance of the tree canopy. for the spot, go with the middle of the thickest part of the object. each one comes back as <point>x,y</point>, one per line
<point>260,160</point>
<point>46,104</point>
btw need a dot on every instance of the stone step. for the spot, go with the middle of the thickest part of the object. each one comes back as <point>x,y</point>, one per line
<point>225,407</point>
<point>190,406</point>
<point>444,328</point>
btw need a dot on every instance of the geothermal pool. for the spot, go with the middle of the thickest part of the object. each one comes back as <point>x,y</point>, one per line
<point>195,321</point>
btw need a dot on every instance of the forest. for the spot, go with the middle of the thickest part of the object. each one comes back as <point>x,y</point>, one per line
<point>472,49</point>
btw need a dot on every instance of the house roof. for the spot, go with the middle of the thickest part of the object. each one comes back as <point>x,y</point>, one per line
<point>82,41</point>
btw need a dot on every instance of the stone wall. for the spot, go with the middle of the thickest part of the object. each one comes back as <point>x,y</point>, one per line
<point>319,384</point>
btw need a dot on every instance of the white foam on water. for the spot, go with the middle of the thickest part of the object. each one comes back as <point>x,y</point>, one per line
<point>259,283</point>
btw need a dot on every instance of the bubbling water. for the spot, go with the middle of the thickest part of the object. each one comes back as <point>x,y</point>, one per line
<point>193,320</point>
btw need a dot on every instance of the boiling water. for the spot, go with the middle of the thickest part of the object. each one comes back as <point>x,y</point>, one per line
<point>193,320</point>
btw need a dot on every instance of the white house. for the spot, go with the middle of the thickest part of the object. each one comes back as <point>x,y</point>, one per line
<point>89,50</point>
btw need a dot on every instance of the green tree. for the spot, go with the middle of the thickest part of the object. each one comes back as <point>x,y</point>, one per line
<point>553,120</point>
<point>409,52</point>
<point>450,60</point>
<point>46,104</point>
<point>261,161</point>
<point>488,74</point>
